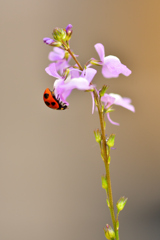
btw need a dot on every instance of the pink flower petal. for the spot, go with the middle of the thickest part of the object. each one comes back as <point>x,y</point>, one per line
<point>100,50</point>
<point>115,123</point>
<point>75,72</point>
<point>123,102</point>
<point>61,65</point>
<point>89,74</point>
<point>64,88</point>
<point>113,67</point>
<point>127,100</point>
<point>60,90</point>
<point>79,83</point>
<point>93,102</point>
<point>56,54</point>
<point>108,99</point>
<point>51,70</point>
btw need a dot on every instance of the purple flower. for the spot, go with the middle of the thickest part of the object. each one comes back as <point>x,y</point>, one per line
<point>112,98</point>
<point>63,88</point>
<point>52,70</point>
<point>75,72</point>
<point>58,56</point>
<point>69,28</point>
<point>111,65</point>
<point>48,40</point>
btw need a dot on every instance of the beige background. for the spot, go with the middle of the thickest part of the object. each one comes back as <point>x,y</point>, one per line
<point>50,165</point>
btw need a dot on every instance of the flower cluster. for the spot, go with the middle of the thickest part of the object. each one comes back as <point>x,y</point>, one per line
<point>70,77</point>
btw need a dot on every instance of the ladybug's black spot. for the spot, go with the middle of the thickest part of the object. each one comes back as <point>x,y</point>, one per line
<point>46,95</point>
<point>47,103</point>
<point>52,103</point>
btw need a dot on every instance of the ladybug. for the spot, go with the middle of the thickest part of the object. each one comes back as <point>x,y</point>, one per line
<point>52,102</point>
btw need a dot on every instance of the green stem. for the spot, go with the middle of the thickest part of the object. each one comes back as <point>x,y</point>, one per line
<point>75,59</point>
<point>109,190</point>
<point>107,171</point>
<point>117,227</point>
<point>117,235</point>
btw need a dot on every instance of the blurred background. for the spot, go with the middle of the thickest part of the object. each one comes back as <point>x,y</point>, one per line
<point>50,164</point>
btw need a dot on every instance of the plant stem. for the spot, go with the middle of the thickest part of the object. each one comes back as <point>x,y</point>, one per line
<point>75,59</point>
<point>117,229</point>
<point>106,156</point>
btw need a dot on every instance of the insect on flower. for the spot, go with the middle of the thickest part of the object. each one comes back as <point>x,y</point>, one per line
<point>52,102</point>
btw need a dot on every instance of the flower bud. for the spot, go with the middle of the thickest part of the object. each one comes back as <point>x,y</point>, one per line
<point>69,32</point>
<point>103,90</point>
<point>68,28</point>
<point>48,40</point>
<point>59,34</point>
<point>66,56</point>
<point>97,135</point>
<point>110,141</point>
<point>104,182</point>
<point>109,233</point>
<point>121,203</point>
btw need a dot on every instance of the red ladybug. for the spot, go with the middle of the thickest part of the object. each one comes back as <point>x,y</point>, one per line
<point>52,102</point>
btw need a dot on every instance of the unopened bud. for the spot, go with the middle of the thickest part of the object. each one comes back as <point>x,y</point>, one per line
<point>97,135</point>
<point>121,203</point>
<point>59,34</point>
<point>104,182</point>
<point>69,32</point>
<point>103,90</point>
<point>69,28</point>
<point>109,233</point>
<point>110,141</point>
<point>66,56</point>
<point>48,40</point>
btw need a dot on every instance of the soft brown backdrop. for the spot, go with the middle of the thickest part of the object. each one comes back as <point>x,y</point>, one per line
<point>50,165</point>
